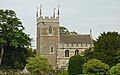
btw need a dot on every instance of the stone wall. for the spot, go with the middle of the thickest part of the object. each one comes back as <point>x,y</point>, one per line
<point>10,72</point>
<point>62,61</point>
<point>14,72</point>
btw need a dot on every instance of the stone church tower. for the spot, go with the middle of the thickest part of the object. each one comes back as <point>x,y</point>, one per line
<point>48,36</point>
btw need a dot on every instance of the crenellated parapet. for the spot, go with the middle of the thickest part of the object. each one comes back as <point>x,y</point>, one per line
<point>64,45</point>
<point>47,19</point>
<point>41,18</point>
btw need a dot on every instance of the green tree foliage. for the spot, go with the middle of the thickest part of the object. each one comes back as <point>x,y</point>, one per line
<point>73,32</point>
<point>115,70</point>
<point>75,65</point>
<point>62,72</point>
<point>14,41</point>
<point>95,67</point>
<point>38,65</point>
<point>88,54</point>
<point>117,57</point>
<point>64,30</point>
<point>107,48</point>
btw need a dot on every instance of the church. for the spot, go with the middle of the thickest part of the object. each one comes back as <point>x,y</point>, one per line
<point>56,47</point>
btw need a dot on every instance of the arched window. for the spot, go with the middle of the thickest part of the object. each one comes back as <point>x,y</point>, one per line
<point>66,53</point>
<point>76,52</point>
<point>52,49</point>
<point>50,30</point>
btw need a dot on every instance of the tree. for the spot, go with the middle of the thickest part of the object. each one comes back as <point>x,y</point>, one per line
<point>2,42</point>
<point>115,70</point>
<point>38,65</point>
<point>62,72</point>
<point>73,32</point>
<point>107,48</point>
<point>75,65</point>
<point>13,46</point>
<point>88,54</point>
<point>95,67</point>
<point>64,30</point>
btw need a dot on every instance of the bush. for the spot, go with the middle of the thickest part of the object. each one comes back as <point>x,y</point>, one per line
<point>62,72</point>
<point>75,65</point>
<point>95,67</point>
<point>115,70</point>
<point>38,65</point>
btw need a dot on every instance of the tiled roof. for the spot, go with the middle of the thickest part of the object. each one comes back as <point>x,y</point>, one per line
<point>75,39</point>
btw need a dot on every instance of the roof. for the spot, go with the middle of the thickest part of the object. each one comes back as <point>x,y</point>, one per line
<point>75,39</point>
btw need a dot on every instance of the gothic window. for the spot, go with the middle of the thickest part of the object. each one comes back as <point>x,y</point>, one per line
<point>76,52</point>
<point>50,30</point>
<point>52,49</point>
<point>66,53</point>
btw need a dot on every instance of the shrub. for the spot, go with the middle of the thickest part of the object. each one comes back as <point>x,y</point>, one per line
<point>75,65</point>
<point>95,67</point>
<point>115,70</point>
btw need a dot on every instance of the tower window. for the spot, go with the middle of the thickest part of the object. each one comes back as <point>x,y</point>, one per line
<point>76,52</point>
<point>50,30</point>
<point>66,53</point>
<point>52,49</point>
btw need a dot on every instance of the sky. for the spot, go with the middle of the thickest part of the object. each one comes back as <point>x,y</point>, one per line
<point>76,15</point>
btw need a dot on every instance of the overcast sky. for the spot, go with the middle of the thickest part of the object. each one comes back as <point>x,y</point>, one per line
<point>76,15</point>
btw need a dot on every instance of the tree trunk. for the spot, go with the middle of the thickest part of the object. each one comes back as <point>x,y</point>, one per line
<point>2,50</point>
